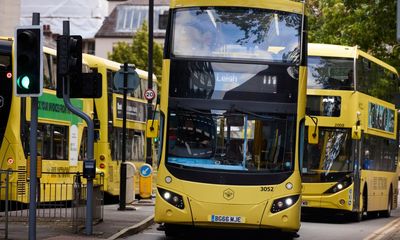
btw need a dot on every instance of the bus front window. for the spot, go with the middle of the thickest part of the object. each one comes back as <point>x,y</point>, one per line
<point>330,158</point>
<point>330,73</point>
<point>239,33</point>
<point>231,142</point>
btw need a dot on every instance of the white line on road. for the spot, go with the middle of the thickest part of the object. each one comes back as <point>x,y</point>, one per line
<point>383,231</point>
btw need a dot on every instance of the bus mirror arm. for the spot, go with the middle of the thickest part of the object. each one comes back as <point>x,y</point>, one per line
<point>153,125</point>
<point>313,131</point>
<point>355,132</point>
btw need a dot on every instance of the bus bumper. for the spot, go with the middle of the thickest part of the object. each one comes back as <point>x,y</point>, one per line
<point>342,200</point>
<point>218,215</point>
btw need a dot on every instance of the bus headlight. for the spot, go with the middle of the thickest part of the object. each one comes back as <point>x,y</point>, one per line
<point>172,198</point>
<point>283,203</point>
<point>340,185</point>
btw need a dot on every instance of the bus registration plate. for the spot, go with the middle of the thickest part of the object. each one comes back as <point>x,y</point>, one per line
<point>227,219</point>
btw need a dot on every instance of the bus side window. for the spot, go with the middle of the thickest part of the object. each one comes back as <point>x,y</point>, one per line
<point>47,72</point>
<point>54,71</point>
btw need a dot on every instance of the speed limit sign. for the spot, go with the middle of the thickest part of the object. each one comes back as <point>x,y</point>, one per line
<point>149,94</point>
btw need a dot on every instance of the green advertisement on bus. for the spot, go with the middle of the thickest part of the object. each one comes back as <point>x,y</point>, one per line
<point>51,107</point>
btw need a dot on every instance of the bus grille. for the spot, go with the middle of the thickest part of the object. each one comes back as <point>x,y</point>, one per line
<point>21,190</point>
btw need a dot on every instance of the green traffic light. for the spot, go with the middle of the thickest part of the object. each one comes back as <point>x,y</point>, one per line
<point>24,82</point>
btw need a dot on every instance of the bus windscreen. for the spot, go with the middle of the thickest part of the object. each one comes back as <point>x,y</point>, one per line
<point>237,33</point>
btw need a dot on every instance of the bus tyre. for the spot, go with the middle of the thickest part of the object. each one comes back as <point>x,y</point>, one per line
<point>357,216</point>
<point>388,212</point>
<point>171,231</point>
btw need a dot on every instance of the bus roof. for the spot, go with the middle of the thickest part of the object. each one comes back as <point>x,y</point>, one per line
<point>92,60</point>
<point>6,38</point>
<point>282,5</point>
<point>115,66</point>
<point>331,50</point>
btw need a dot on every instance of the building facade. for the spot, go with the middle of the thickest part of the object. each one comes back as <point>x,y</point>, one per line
<point>124,20</point>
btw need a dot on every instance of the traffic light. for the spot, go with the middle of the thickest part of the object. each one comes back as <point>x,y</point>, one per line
<point>28,61</point>
<point>69,61</point>
<point>69,67</point>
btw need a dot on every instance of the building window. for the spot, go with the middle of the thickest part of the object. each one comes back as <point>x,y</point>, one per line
<point>130,18</point>
<point>88,46</point>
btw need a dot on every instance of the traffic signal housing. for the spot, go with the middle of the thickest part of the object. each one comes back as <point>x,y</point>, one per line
<point>69,67</point>
<point>28,61</point>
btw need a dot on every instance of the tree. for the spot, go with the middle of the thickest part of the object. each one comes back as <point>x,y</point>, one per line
<point>137,52</point>
<point>370,24</point>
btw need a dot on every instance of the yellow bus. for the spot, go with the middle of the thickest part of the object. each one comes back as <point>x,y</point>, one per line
<point>231,115</point>
<point>55,125</point>
<point>108,116</point>
<point>351,151</point>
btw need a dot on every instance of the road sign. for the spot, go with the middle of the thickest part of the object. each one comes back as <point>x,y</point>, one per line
<point>145,181</point>
<point>145,170</point>
<point>149,94</point>
<point>133,79</point>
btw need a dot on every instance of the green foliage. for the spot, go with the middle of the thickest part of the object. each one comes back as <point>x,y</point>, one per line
<point>370,24</point>
<point>137,52</point>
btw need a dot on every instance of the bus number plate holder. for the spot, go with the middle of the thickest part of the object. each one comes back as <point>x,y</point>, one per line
<point>227,219</point>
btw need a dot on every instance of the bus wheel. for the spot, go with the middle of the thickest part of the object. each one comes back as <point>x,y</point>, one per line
<point>171,231</point>
<point>388,212</point>
<point>358,216</point>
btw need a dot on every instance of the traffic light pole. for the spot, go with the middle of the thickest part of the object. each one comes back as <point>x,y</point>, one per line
<point>149,149</point>
<point>90,144</point>
<point>33,155</point>
<point>122,180</point>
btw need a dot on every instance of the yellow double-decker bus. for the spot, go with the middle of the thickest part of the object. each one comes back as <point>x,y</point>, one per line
<point>350,157</point>
<point>232,113</point>
<point>108,114</point>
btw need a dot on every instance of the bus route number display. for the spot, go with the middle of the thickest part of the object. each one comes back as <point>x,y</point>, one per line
<point>149,94</point>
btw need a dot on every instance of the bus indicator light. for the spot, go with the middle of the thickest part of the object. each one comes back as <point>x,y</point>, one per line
<point>168,179</point>
<point>10,161</point>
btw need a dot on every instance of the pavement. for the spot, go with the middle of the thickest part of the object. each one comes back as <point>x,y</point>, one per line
<point>116,224</point>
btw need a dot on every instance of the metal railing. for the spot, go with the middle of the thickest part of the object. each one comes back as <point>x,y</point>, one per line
<point>4,210</point>
<point>57,201</point>
<point>79,203</point>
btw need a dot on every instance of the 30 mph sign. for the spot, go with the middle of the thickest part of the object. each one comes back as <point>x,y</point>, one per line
<point>149,94</point>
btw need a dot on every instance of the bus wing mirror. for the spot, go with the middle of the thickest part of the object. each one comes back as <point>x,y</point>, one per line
<point>356,132</point>
<point>313,133</point>
<point>152,128</point>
